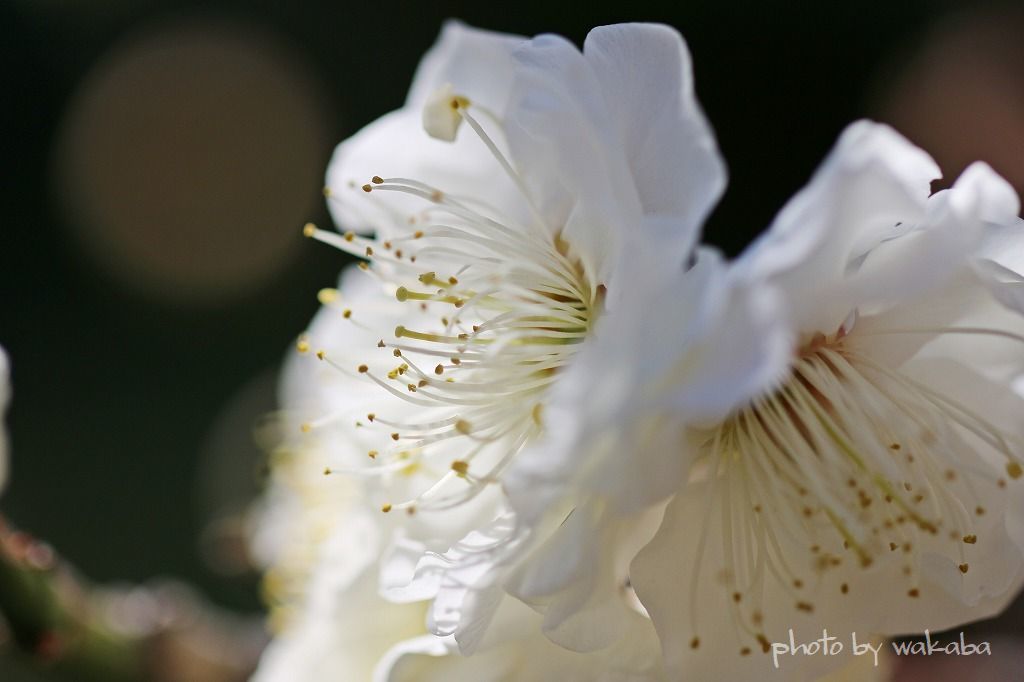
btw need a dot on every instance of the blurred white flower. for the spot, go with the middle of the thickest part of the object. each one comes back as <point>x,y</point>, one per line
<point>5,399</point>
<point>555,180</point>
<point>833,422</point>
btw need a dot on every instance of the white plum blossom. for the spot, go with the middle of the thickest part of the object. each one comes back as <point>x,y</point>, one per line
<point>833,423</point>
<point>502,213</point>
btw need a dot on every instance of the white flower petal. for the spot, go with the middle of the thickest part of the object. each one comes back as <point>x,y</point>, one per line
<point>477,64</point>
<point>874,601</point>
<point>613,138</point>
<point>646,78</point>
<point>872,184</point>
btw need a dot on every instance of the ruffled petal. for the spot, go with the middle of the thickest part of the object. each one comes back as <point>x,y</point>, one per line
<point>845,599</point>
<point>872,187</point>
<point>684,353</point>
<point>613,144</point>
<point>477,64</point>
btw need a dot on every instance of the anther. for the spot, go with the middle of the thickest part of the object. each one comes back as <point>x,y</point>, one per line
<point>372,454</point>
<point>963,568</point>
<point>695,643</point>
<point>386,507</point>
<point>970,539</point>
<point>363,369</point>
<point>308,230</point>
<point>321,355</point>
<point>327,471</point>
<point>302,346</point>
<point>377,180</point>
<point>913,592</point>
<point>1014,470</point>
<point>367,188</point>
<point>461,467</point>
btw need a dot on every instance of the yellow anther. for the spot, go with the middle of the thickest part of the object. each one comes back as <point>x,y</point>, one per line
<point>427,277</point>
<point>349,236</point>
<point>461,467</point>
<point>367,188</point>
<point>327,295</point>
<point>463,426</point>
<point>439,369</point>
<point>327,471</point>
<point>371,416</point>
<point>394,436</point>
<point>970,539</point>
<point>1014,470</point>
<point>306,427</point>
<point>346,313</point>
<point>363,369</point>
<point>377,180</point>
<point>321,354</point>
<point>372,454</point>
<point>913,592</point>
<point>418,234</point>
<point>308,230</point>
<point>302,346</point>
<point>386,508</point>
<point>369,251</point>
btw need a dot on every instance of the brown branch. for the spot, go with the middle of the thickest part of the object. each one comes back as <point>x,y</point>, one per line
<point>144,634</point>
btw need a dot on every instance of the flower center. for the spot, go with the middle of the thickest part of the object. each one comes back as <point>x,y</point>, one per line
<point>493,309</point>
<point>848,464</point>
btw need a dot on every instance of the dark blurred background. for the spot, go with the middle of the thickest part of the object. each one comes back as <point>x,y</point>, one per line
<point>161,156</point>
